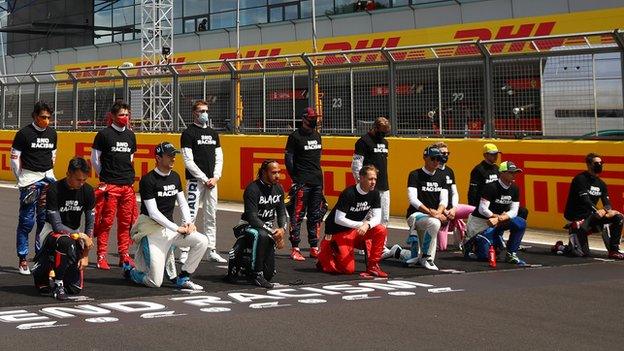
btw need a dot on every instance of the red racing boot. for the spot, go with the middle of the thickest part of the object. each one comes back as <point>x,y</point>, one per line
<point>102,263</point>
<point>314,251</point>
<point>296,255</point>
<point>125,258</point>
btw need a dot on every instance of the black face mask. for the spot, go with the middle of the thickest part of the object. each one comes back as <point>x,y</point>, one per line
<point>444,159</point>
<point>312,123</point>
<point>597,167</point>
<point>380,135</point>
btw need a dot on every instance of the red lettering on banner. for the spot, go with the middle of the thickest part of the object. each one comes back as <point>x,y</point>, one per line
<point>540,204</point>
<point>383,90</point>
<point>5,148</point>
<point>249,159</point>
<point>300,94</point>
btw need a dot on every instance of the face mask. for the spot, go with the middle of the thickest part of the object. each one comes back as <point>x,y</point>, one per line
<point>122,121</point>
<point>380,135</point>
<point>597,167</point>
<point>443,159</point>
<point>43,123</point>
<point>203,117</point>
<point>312,123</point>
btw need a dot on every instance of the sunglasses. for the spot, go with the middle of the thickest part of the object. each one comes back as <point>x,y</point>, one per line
<point>446,153</point>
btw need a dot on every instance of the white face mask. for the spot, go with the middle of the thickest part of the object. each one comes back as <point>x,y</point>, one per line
<point>203,117</point>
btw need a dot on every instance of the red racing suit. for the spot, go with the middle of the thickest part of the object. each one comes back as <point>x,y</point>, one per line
<point>111,200</point>
<point>337,255</point>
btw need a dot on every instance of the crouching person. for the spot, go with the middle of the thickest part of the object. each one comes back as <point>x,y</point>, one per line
<point>254,251</point>
<point>497,212</point>
<point>65,250</point>
<point>155,233</point>
<point>355,223</point>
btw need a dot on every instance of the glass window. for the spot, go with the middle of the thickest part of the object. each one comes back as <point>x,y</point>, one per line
<point>177,26</point>
<point>396,3</point>
<point>245,4</point>
<point>291,12</point>
<point>102,18</point>
<point>275,14</point>
<point>272,2</point>
<point>323,7</point>
<point>223,20</point>
<point>306,9</point>
<point>123,16</point>
<point>177,8</point>
<point>222,5</point>
<point>195,7</point>
<point>104,37</point>
<point>345,6</point>
<point>253,16</point>
<point>189,26</point>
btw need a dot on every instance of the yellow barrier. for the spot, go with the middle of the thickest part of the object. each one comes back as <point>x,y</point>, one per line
<point>548,165</point>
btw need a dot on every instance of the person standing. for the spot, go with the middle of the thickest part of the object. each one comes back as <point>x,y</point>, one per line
<point>112,158</point>
<point>33,154</point>
<point>303,162</point>
<point>203,160</point>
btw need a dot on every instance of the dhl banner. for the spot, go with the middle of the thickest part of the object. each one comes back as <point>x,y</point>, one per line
<point>548,166</point>
<point>588,21</point>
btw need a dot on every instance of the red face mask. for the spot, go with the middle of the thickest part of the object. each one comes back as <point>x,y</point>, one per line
<point>122,121</point>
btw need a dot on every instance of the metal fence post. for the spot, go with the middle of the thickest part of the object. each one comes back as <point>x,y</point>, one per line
<point>3,107</point>
<point>392,109</point>
<point>619,39</point>
<point>311,80</point>
<point>36,91</point>
<point>233,97</point>
<point>487,76</point>
<point>75,99</point>
<point>176,98</point>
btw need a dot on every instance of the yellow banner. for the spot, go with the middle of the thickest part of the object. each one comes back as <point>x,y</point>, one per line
<point>548,166</point>
<point>599,20</point>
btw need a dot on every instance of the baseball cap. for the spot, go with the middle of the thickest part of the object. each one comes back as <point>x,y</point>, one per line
<point>490,149</point>
<point>165,148</point>
<point>508,166</point>
<point>431,151</point>
<point>309,113</point>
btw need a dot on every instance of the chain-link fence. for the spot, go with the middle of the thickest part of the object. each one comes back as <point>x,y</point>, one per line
<point>557,86</point>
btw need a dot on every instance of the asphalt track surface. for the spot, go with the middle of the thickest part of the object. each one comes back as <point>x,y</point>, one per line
<point>560,303</point>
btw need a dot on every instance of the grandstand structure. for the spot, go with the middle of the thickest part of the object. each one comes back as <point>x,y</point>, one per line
<point>495,68</point>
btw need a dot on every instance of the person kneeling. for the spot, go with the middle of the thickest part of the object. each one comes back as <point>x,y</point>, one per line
<point>155,233</point>
<point>355,223</point>
<point>65,250</point>
<point>254,250</point>
<point>497,212</point>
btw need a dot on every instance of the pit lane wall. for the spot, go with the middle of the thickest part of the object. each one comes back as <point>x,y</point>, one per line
<point>548,166</point>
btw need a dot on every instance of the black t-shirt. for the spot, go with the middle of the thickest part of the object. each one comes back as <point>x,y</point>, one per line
<point>355,205</point>
<point>306,149</point>
<point>117,148</point>
<point>482,174</point>
<point>375,152</point>
<point>70,203</point>
<point>449,179</point>
<point>500,198</point>
<point>585,191</point>
<point>36,147</point>
<point>203,142</point>
<point>164,189</point>
<point>263,204</point>
<point>429,188</point>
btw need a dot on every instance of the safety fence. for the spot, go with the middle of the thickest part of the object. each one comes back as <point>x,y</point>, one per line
<point>556,86</point>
